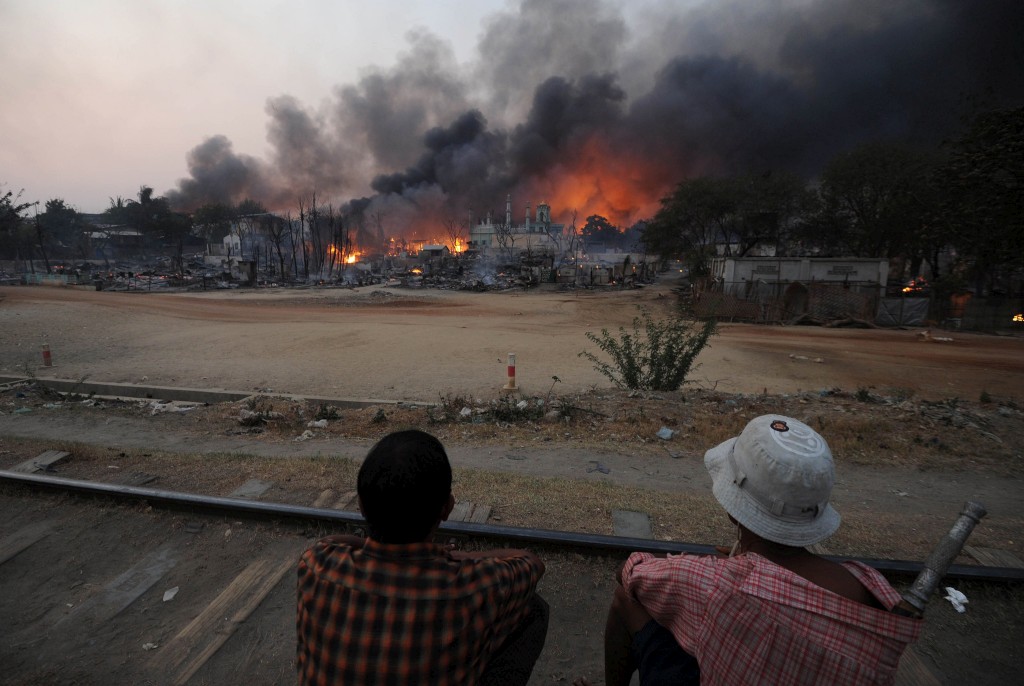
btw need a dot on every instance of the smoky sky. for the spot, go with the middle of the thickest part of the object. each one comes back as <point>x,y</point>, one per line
<point>575,99</point>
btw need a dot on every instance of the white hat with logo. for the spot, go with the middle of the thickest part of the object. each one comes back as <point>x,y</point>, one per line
<point>775,479</point>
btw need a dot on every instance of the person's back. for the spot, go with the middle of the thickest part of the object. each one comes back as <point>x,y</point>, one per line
<point>395,608</point>
<point>771,612</point>
<point>748,620</point>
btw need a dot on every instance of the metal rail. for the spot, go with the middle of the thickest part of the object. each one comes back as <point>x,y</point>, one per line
<point>594,543</point>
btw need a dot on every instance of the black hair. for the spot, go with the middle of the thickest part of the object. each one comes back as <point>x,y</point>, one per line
<point>404,483</point>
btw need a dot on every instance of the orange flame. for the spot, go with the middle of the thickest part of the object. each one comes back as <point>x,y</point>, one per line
<point>1018,317</point>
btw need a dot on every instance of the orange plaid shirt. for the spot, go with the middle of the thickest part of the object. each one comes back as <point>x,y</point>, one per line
<point>404,614</point>
<point>750,621</point>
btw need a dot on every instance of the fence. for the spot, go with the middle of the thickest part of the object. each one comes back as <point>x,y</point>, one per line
<point>782,302</point>
<point>765,302</point>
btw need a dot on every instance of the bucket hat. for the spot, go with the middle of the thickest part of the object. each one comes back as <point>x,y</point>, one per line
<point>775,479</point>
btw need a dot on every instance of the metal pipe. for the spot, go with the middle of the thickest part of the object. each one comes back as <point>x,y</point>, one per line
<point>565,539</point>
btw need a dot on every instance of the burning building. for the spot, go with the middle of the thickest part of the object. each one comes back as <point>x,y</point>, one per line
<point>534,235</point>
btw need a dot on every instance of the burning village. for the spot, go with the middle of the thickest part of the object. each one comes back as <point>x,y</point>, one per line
<point>511,342</point>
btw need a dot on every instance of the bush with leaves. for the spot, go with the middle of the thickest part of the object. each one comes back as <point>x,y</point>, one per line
<point>658,359</point>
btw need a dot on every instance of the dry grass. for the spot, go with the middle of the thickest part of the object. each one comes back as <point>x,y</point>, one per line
<point>948,437</point>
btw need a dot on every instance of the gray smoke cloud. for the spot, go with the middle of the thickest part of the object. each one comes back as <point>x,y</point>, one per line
<point>602,106</point>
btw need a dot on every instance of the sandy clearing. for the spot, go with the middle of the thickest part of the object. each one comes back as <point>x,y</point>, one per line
<point>418,345</point>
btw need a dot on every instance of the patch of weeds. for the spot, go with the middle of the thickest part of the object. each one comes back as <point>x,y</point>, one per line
<point>660,358</point>
<point>448,409</point>
<point>258,411</point>
<point>984,398</point>
<point>508,409</point>
<point>900,395</point>
<point>326,412</point>
<point>863,395</point>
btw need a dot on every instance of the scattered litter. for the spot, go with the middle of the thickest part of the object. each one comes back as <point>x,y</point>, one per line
<point>150,646</point>
<point>306,435</point>
<point>900,493</point>
<point>666,433</point>
<point>23,410</point>
<point>927,336</point>
<point>804,357</point>
<point>227,533</point>
<point>522,405</point>
<point>598,467</point>
<point>318,424</point>
<point>465,412</point>
<point>52,406</point>
<point>170,593</point>
<point>157,407</point>
<point>957,599</point>
<point>193,527</point>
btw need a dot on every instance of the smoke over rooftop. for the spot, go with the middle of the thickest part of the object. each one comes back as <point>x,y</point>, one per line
<point>576,103</point>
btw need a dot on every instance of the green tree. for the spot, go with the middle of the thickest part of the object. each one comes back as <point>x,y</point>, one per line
<point>213,221</point>
<point>769,207</point>
<point>600,229</point>
<point>62,224</point>
<point>871,200</point>
<point>980,187</point>
<point>16,235</point>
<point>692,220</point>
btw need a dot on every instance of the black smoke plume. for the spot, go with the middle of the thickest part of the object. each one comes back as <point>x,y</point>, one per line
<point>606,105</point>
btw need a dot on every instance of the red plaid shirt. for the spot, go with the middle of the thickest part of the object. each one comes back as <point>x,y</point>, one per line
<point>404,614</point>
<point>750,621</point>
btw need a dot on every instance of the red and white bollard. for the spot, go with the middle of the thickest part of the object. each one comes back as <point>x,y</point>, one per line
<point>511,387</point>
<point>47,360</point>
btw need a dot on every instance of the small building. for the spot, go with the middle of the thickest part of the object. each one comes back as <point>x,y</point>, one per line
<point>431,251</point>
<point>735,273</point>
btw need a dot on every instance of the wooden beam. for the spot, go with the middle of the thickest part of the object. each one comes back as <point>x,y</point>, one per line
<point>41,462</point>
<point>994,557</point>
<point>125,589</point>
<point>914,672</point>
<point>202,638</point>
<point>481,513</point>
<point>23,538</point>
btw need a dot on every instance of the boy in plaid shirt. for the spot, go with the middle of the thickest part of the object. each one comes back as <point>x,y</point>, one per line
<point>395,608</point>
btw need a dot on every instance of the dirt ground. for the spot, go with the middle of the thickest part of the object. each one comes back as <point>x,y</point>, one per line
<point>905,417</point>
<point>395,344</point>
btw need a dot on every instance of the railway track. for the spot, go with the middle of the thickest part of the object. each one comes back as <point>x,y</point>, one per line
<point>108,583</point>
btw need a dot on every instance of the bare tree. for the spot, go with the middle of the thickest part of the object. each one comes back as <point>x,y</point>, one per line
<point>277,230</point>
<point>505,237</point>
<point>454,231</point>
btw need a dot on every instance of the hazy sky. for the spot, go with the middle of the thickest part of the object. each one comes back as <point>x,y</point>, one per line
<point>441,107</point>
<point>100,96</point>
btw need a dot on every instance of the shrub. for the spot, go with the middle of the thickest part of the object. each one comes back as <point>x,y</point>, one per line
<point>659,359</point>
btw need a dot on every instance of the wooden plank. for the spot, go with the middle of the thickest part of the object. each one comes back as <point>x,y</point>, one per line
<point>251,489</point>
<point>123,591</point>
<point>135,479</point>
<point>326,496</point>
<point>460,512</point>
<point>631,524</point>
<point>913,671</point>
<point>349,501</point>
<point>23,538</point>
<point>994,557</point>
<point>41,462</point>
<point>203,637</point>
<point>481,513</point>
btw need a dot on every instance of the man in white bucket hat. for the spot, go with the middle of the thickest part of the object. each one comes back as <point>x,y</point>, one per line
<point>771,612</point>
